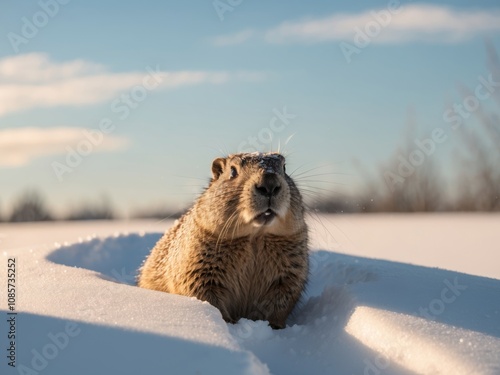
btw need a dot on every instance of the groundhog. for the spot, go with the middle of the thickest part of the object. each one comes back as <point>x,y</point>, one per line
<point>243,246</point>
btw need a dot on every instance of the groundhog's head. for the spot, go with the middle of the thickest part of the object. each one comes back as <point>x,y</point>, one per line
<point>253,190</point>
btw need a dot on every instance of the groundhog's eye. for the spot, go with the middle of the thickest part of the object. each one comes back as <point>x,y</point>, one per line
<point>234,172</point>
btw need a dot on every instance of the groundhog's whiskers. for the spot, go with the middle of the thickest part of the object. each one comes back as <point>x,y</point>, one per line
<point>236,227</point>
<point>225,230</point>
<point>314,186</point>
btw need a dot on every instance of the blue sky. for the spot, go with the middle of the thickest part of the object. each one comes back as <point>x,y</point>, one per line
<point>246,70</point>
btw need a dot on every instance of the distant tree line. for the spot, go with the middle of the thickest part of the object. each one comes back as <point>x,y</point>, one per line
<point>31,206</point>
<point>475,187</point>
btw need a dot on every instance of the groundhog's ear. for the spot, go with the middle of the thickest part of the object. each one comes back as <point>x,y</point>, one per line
<point>218,167</point>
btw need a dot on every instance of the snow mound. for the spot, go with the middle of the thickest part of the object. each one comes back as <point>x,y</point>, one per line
<point>423,346</point>
<point>118,257</point>
<point>358,315</point>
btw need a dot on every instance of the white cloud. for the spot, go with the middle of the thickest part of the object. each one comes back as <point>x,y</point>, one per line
<point>417,22</point>
<point>37,67</point>
<point>34,81</point>
<point>20,146</point>
<point>72,91</point>
<point>232,39</point>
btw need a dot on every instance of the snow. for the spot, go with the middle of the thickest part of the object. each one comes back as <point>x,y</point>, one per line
<point>79,312</point>
<point>427,349</point>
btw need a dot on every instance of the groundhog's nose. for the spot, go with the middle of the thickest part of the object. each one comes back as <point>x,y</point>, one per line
<point>269,186</point>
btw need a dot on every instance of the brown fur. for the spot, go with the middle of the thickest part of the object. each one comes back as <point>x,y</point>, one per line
<point>226,250</point>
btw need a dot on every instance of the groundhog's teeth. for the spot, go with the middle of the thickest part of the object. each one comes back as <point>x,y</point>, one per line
<point>265,218</point>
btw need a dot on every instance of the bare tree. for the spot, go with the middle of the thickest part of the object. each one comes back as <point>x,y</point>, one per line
<point>94,211</point>
<point>478,182</point>
<point>30,207</point>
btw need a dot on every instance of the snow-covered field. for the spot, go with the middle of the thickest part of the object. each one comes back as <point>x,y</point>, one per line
<point>429,303</point>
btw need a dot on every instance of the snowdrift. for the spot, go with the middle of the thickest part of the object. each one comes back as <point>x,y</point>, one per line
<point>80,313</point>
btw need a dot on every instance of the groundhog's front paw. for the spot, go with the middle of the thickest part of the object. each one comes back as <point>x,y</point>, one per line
<point>276,325</point>
<point>230,320</point>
